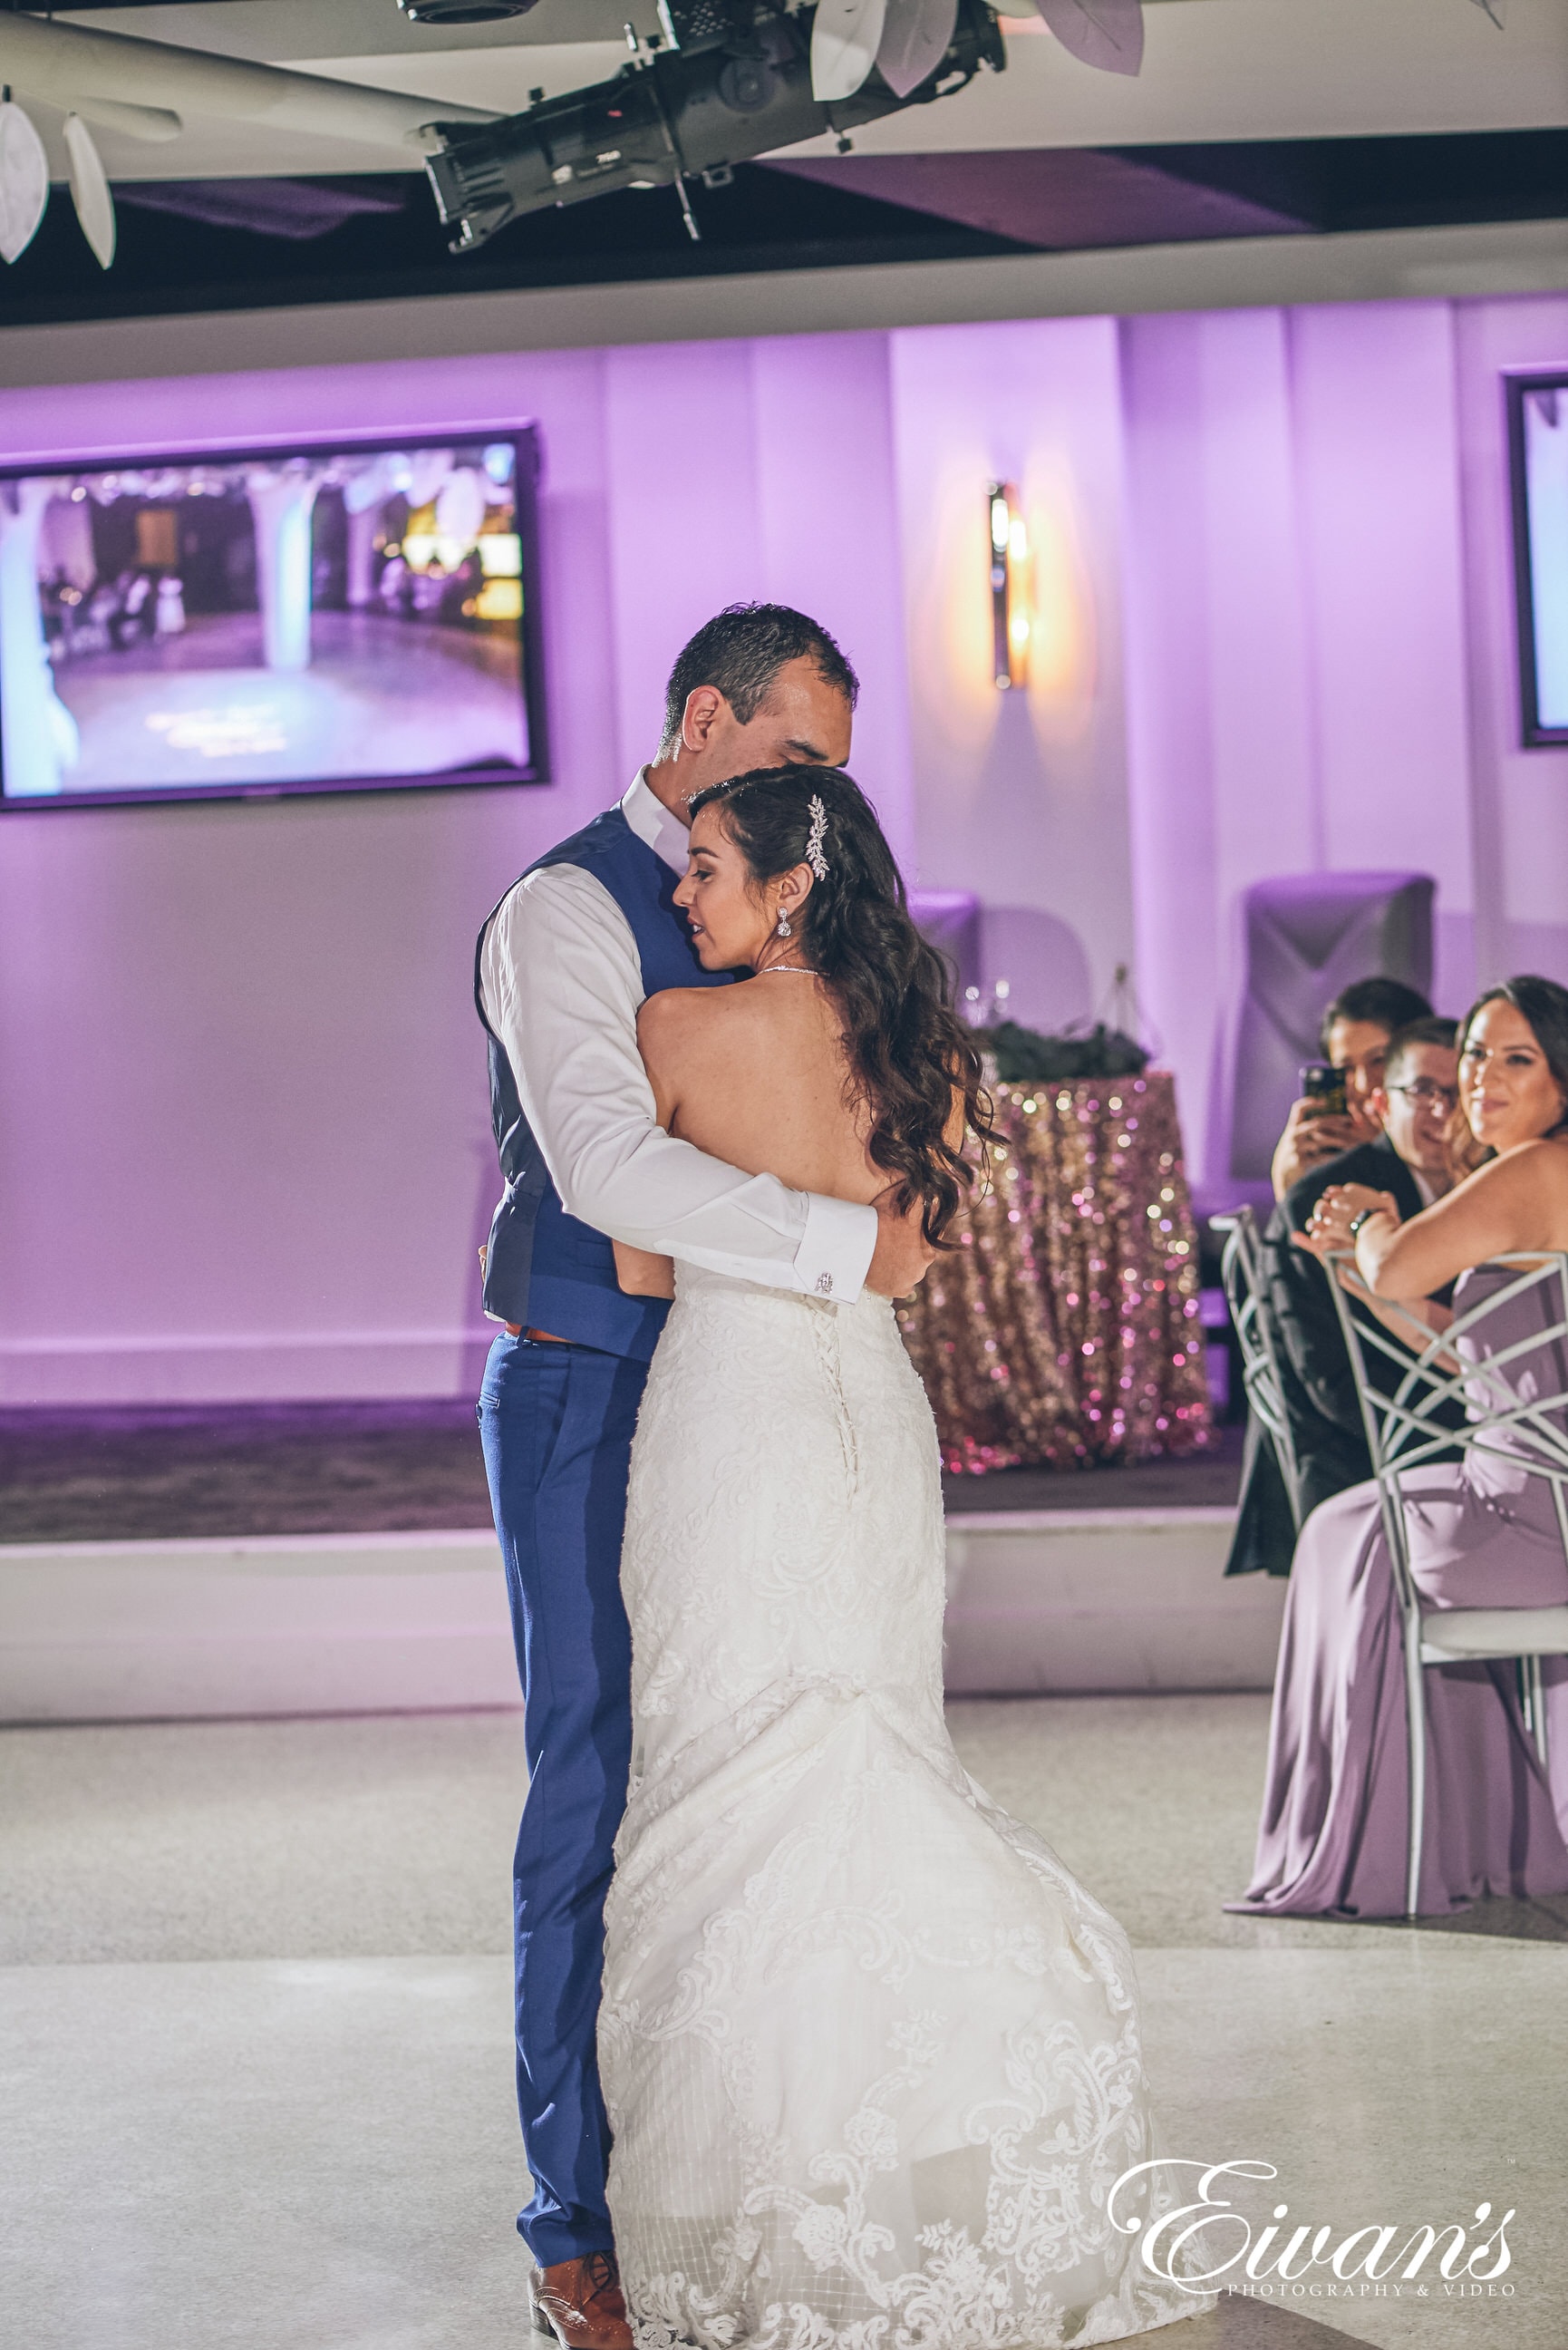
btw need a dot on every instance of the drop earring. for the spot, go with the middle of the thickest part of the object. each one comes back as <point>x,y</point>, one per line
<point>783,928</point>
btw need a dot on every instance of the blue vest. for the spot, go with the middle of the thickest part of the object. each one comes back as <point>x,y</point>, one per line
<point>545,1269</point>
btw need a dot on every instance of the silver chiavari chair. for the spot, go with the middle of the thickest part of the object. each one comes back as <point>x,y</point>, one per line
<point>1240,1270</point>
<point>1526,1426</point>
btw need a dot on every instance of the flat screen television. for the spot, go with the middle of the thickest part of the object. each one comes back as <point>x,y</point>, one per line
<point>1538,457</point>
<point>328,616</point>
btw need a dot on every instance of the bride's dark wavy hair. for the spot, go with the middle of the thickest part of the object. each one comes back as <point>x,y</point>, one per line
<point>909,1050</point>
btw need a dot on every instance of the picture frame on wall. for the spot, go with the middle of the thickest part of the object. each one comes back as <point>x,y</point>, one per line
<point>1538,477</point>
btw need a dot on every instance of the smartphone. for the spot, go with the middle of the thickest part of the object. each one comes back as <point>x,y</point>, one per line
<point>1325,1088</point>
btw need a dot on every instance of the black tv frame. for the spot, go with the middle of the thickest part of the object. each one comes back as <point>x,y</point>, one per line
<point>1533,736</point>
<point>525,442</point>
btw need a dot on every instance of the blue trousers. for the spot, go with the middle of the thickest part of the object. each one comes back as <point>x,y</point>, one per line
<point>556,1425</point>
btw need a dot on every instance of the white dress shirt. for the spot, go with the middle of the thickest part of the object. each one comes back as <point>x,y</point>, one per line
<point>562,981</point>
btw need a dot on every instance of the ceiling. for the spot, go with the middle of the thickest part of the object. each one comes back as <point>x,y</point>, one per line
<point>1250,119</point>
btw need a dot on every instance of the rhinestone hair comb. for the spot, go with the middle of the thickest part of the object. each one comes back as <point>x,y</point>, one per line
<point>814,839</point>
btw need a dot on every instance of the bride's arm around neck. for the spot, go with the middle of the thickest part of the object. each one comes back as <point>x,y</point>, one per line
<point>1516,1202</point>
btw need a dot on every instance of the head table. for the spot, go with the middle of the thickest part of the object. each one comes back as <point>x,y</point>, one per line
<point>1062,1329</point>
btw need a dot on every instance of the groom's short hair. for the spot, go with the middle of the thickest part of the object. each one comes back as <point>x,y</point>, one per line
<point>740,653</point>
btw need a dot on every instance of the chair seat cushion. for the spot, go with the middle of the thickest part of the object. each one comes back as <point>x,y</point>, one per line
<point>1494,1632</point>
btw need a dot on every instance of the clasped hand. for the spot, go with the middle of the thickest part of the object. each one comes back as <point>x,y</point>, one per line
<point>1328,1227</point>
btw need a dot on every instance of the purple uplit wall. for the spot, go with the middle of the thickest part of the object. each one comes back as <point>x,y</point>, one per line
<point>244,1150</point>
<point>1020,797</point>
<point>1297,662</point>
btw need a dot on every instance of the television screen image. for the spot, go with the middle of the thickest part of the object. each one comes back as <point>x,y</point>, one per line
<point>328,618</point>
<point>1538,417</point>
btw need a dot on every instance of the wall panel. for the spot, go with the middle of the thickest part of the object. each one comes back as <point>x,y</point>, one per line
<point>1022,795</point>
<point>242,1142</point>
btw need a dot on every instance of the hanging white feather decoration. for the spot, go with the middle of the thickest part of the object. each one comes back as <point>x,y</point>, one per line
<point>24,181</point>
<point>844,44</point>
<point>915,39</point>
<point>89,190</point>
<point>1104,33</point>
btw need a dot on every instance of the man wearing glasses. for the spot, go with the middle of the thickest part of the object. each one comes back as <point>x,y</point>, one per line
<point>1357,1029</point>
<point>1414,1104</point>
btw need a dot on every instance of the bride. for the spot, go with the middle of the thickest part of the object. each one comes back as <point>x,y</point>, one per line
<point>870,2056</point>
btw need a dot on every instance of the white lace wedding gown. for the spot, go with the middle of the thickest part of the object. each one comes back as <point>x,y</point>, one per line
<point>869,2054</point>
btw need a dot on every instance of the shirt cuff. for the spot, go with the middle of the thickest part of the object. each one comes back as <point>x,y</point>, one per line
<point>837,1247</point>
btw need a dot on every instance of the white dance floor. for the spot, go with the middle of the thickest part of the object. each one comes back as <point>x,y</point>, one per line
<point>254,2014</point>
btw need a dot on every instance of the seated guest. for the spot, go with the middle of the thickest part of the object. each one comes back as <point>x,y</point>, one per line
<point>1410,1108</point>
<point>1481,1534</point>
<point>1356,1032</point>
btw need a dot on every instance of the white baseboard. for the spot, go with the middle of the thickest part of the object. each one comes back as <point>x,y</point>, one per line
<point>1104,1599</point>
<point>319,1623</point>
<point>1053,1601</point>
<point>244,1367</point>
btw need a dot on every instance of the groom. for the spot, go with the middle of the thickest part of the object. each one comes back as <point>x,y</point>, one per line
<point>562,965</point>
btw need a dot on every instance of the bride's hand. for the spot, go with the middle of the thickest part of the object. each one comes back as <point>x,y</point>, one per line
<point>641,1273</point>
<point>902,1256</point>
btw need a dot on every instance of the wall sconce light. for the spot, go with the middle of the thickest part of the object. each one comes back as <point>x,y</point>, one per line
<point>1009,587</point>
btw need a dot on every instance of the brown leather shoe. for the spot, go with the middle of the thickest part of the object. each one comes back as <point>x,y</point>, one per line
<point>579,2303</point>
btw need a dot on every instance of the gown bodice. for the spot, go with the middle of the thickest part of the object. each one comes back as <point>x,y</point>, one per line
<point>1510,1360</point>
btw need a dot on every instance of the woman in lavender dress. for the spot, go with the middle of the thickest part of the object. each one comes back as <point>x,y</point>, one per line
<point>1332,1839</point>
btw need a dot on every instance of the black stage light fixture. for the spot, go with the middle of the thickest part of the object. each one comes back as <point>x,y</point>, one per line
<point>731,81</point>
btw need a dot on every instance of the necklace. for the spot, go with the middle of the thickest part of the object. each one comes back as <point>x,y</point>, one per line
<point>803,967</point>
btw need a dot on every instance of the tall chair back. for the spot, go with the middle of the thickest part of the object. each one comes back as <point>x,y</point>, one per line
<point>1307,935</point>
<point>1516,1395</point>
<point>1241,1270</point>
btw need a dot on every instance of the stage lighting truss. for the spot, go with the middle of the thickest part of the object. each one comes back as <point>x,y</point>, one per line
<point>722,82</point>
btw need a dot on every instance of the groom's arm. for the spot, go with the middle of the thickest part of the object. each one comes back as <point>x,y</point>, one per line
<point>562,984</point>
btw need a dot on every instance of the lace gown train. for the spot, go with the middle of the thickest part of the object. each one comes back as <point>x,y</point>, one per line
<point>870,2056</point>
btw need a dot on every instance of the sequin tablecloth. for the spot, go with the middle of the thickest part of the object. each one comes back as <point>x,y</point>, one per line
<point>1064,1328</point>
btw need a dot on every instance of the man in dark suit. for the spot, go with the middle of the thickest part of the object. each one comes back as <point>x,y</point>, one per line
<point>1355,1033</point>
<point>1409,1160</point>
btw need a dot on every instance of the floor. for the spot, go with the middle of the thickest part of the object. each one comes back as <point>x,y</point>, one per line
<point>381,696</point>
<point>255,2015</point>
<point>187,1471</point>
<point>190,1471</point>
